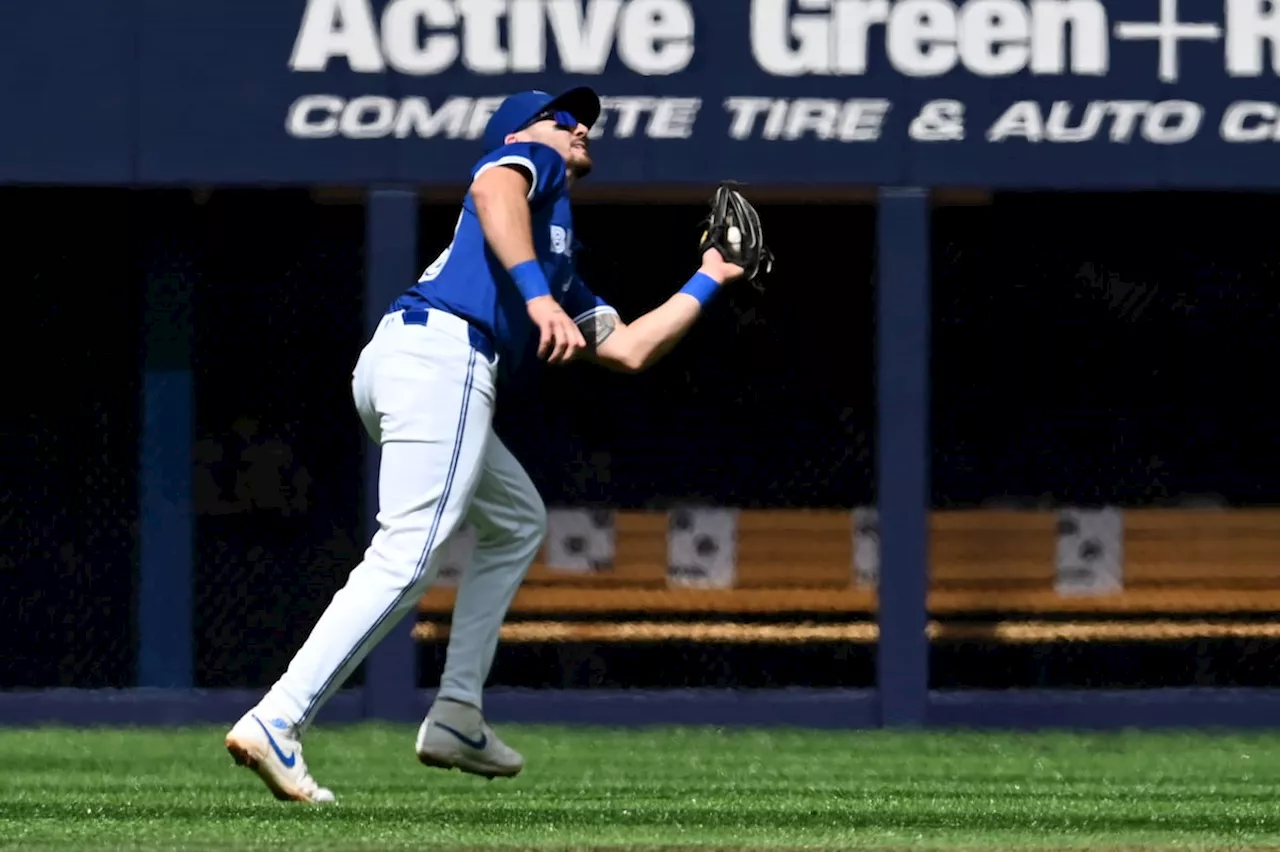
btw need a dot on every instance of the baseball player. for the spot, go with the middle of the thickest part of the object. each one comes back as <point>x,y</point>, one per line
<point>505,289</point>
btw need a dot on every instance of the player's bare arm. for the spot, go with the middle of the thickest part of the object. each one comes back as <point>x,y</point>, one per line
<point>636,346</point>
<point>501,197</point>
<point>732,246</point>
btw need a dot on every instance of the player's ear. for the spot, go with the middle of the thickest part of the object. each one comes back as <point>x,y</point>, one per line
<point>512,137</point>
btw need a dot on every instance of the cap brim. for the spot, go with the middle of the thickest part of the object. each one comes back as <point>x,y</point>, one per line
<point>582,102</point>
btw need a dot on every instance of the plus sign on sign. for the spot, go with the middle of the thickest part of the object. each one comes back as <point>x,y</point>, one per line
<point>1049,40</point>
<point>1047,92</point>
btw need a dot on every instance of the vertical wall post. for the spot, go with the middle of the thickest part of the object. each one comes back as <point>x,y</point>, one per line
<point>166,572</point>
<point>391,256</point>
<point>902,450</point>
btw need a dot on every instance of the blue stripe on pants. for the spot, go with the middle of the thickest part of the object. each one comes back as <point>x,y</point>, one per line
<point>425,558</point>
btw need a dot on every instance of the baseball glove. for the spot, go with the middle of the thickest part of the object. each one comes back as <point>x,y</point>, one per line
<point>733,227</point>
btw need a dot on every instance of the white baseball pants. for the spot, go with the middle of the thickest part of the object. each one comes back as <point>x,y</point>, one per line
<point>427,397</point>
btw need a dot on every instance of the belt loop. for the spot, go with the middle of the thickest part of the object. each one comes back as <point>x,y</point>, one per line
<point>481,343</point>
<point>478,340</point>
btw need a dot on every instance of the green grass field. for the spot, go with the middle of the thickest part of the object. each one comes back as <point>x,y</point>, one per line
<point>177,789</point>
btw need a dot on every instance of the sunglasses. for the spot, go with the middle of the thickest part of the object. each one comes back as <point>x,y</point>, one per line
<point>563,120</point>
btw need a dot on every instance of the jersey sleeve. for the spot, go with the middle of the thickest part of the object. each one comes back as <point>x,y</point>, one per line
<point>545,167</point>
<point>581,304</point>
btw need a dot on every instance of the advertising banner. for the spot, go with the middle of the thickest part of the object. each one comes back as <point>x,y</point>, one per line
<point>998,93</point>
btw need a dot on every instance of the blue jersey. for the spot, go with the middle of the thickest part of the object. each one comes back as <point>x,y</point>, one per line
<point>468,280</point>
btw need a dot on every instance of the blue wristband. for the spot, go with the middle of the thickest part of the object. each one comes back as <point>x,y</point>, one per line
<point>701,287</point>
<point>530,280</point>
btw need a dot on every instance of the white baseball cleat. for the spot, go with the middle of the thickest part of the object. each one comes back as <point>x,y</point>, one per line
<point>270,747</point>
<point>456,736</point>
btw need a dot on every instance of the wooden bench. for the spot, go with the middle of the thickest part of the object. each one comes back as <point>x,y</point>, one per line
<point>1203,548</point>
<point>980,561</point>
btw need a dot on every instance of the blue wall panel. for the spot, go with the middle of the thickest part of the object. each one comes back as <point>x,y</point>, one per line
<point>68,91</point>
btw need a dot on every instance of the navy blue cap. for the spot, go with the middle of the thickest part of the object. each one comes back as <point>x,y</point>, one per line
<point>519,109</point>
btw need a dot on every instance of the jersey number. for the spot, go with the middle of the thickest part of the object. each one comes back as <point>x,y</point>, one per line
<point>437,265</point>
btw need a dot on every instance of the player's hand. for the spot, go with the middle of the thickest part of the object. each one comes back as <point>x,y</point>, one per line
<point>559,340</point>
<point>714,265</point>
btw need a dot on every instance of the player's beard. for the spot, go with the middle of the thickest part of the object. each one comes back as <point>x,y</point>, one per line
<point>580,166</point>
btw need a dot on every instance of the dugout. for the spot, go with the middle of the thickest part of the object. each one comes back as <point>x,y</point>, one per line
<point>1013,324</point>
<point>1048,389</point>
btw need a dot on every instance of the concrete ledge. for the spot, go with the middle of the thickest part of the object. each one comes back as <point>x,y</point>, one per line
<point>1098,709</point>
<point>803,708</point>
<point>161,707</point>
<point>146,707</point>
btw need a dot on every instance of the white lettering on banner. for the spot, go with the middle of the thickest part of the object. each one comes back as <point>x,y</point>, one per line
<point>1170,122</point>
<point>1251,121</point>
<point>858,120</point>
<point>926,38</point>
<point>650,37</point>
<point>1252,27</point>
<point>1161,122</point>
<point>669,118</point>
<point>996,38</point>
<point>938,121</point>
<point>793,38</point>
<point>380,117</point>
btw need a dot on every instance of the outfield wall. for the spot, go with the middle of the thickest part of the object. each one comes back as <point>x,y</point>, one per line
<point>213,203</point>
